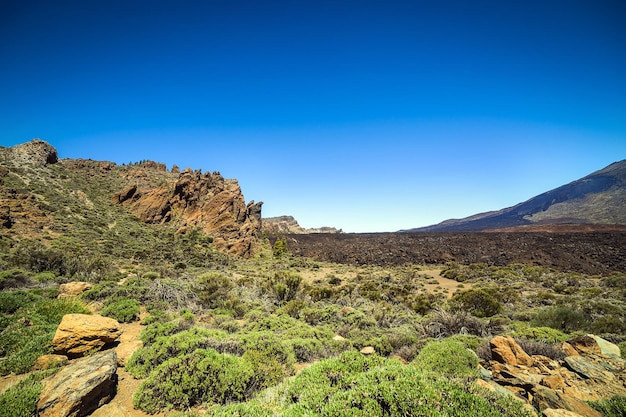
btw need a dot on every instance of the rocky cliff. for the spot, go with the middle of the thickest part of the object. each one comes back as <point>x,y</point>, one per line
<point>289,225</point>
<point>196,200</point>
<point>42,196</point>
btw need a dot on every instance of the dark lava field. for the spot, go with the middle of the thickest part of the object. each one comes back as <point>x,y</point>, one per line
<point>585,252</point>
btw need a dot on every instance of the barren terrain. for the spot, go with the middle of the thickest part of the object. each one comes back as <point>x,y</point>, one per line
<point>586,252</point>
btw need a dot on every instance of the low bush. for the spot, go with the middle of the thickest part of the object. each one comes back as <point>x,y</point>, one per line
<point>613,407</point>
<point>203,376</point>
<point>478,302</point>
<point>147,358</point>
<point>212,289</point>
<point>123,310</point>
<point>21,399</point>
<point>30,328</point>
<point>447,358</point>
<point>541,334</point>
<point>538,347</point>
<point>561,318</point>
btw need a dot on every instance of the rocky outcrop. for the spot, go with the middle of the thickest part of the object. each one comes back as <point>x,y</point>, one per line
<point>72,289</point>
<point>590,372</point>
<point>36,152</point>
<point>289,225</point>
<point>81,333</point>
<point>79,388</point>
<point>199,201</point>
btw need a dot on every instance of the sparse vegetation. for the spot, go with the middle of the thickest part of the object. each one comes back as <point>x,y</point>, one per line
<point>278,334</point>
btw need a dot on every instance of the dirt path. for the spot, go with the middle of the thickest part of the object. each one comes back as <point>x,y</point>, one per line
<point>122,404</point>
<point>445,285</point>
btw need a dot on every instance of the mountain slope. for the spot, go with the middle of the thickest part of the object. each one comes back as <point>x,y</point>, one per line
<point>597,199</point>
<point>102,206</point>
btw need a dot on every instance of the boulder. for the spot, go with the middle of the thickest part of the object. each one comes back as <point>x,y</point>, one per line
<point>36,152</point>
<point>544,398</point>
<point>588,369</point>
<point>504,349</point>
<point>81,333</point>
<point>79,388</point>
<point>595,345</point>
<point>72,289</point>
<point>49,361</point>
<point>368,350</point>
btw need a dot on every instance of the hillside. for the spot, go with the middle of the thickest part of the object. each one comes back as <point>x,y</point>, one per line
<point>138,291</point>
<point>44,197</point>
<point>596,199</point>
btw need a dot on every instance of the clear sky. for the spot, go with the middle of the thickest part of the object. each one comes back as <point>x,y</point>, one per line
<point>363,115</point>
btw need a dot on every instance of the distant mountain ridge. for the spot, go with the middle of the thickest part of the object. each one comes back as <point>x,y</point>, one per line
<point>596,199</point>
<point>289,225</point>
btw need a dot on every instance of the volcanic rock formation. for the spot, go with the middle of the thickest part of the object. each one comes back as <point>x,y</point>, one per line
<point>196,200</point>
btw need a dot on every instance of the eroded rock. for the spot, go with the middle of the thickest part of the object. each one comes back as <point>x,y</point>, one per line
<point>505,349</point>
<point>72,289</point>
<point>81,333</point>
<point>204,201</point>
<point>79,388</point>
<point>49,361</point>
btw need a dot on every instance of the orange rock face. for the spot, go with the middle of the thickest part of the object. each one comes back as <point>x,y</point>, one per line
<point>506,350</point>
<point>205,201</point>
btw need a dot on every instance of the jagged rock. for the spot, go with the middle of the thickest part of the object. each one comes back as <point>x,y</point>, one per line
<point>594,345</point>
<point>558,384</point>
<point>79,388</point>
<point>544,398</point>
<point>48,361</point>
<point>81,333</point>
<point>568,349</point>
<point>588,369</point>
<point>72,289</point>
<point>36,152</point>
<point>505,349</point>
<point>205,201</point>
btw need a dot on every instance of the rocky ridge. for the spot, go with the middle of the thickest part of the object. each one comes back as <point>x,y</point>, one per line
<point>590,369</point>
<point>186,201</point>
<point>596,199</point>
<point>289,225</point>
<point>196,200</point>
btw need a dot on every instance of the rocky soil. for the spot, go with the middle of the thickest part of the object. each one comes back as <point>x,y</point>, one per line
<point>590,253</point>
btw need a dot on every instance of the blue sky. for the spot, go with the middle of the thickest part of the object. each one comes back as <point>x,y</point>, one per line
<point>364,115</point>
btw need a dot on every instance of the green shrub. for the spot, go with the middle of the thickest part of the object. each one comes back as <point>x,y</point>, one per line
<point>123,310</point>
<point>280,248</point>
<point>21,399</point>
<point>448,358</point>
<point>30,329</point>
<point>147,358</point>
<point>14,278</point>
<point>613,407</point>
<point>356,385</point>
<point>622,348</point>
<point>188,380</point>
<point>285,285</point>
<point>478,302</point>
<point>561,318</point>
<point>212,289</point>
<point>542,334</point>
